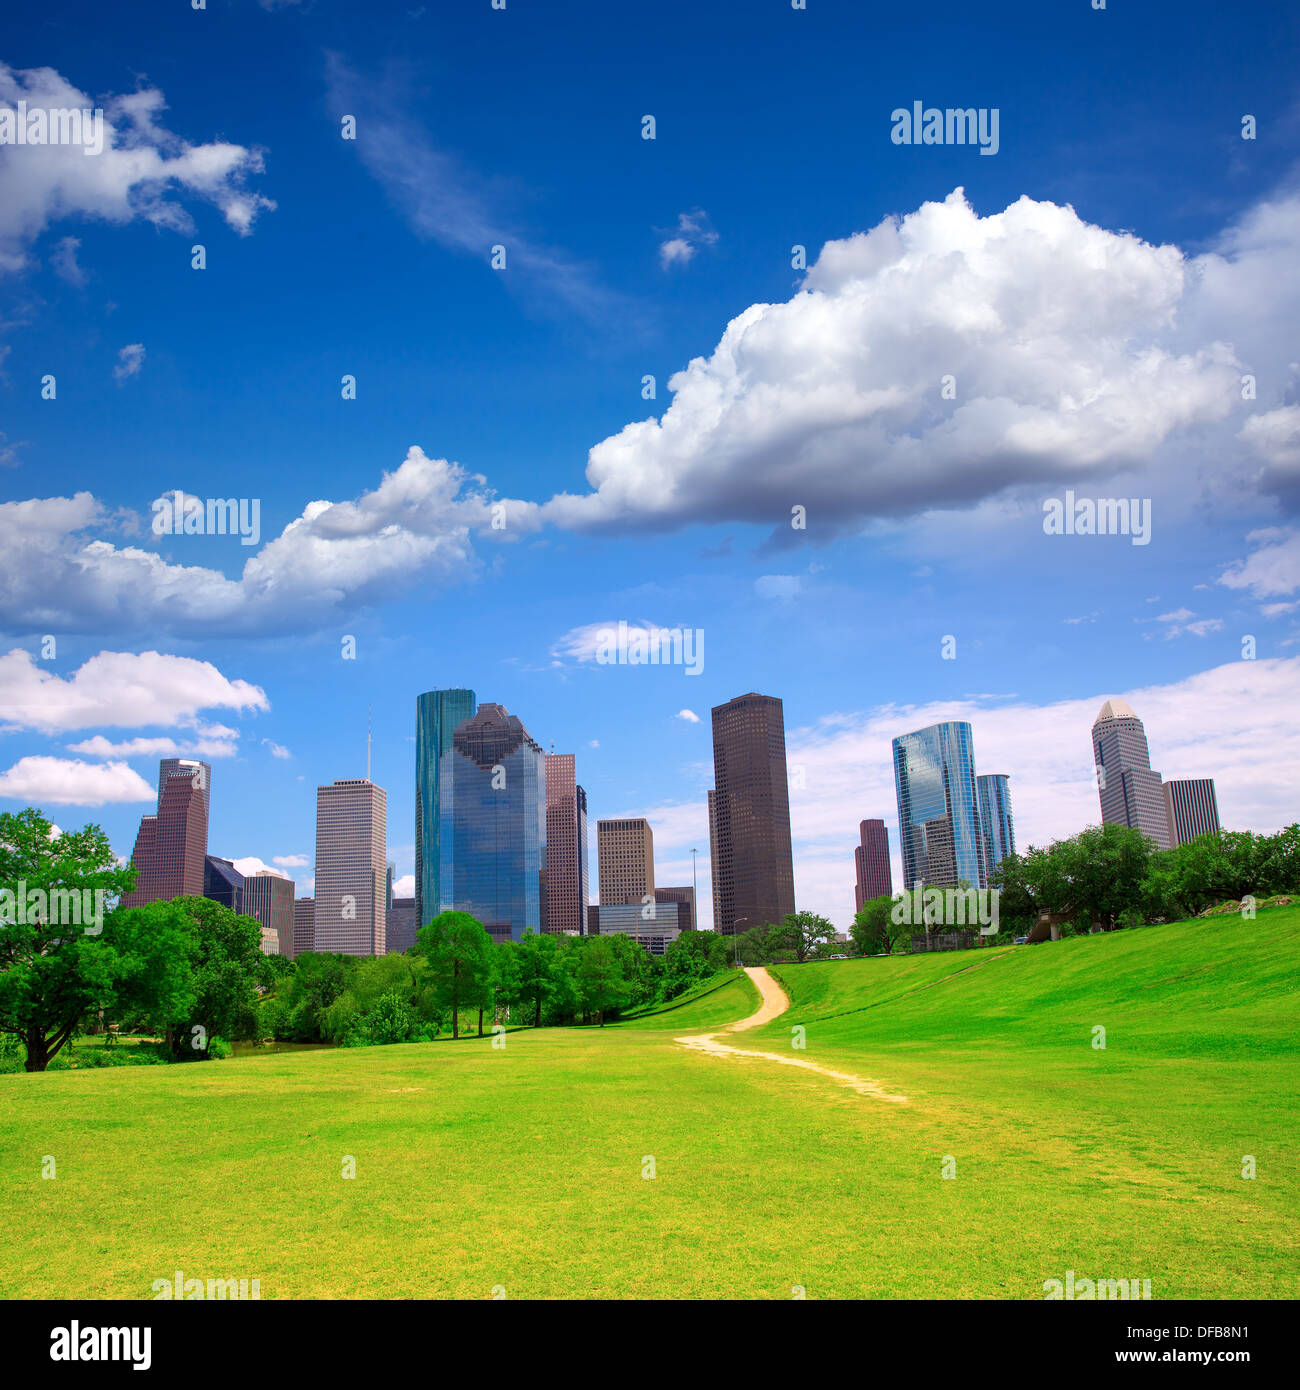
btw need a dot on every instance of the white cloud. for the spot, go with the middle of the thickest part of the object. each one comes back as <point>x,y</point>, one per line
<point>1074,351</point>
<point>688,715</point>
<point>278,750</point>
<point>416,525</point>
<point>137,174</point>
<point>778,586</point>
<point>404,887</point>
<point>123,689</point>
<point>129,361</point>
<point>1273,568</point>
<point>39,779</point>
<point>291,861</point>
<point>251,864</point>
<point>693,230</point>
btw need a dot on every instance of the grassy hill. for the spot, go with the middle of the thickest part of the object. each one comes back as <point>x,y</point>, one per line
<point>525,1167</point>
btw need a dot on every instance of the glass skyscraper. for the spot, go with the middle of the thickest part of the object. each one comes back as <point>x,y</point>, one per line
<point>437,713</point>
<point>492,824</point>
<point>995,819</point>
<point>938,807</point>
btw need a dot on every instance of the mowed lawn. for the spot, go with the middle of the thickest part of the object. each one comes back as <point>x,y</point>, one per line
<point>520,1171</point>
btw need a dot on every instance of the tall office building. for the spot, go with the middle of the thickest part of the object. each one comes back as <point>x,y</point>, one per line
<point>686,897</point>
<point>304,925</point>
<point>351,830</point>
<point>1130,791</point>
<point>625,856</point>
<point>1192,809</point>
<point>437,714</point>
<point>940,837</point>
<point>171,847</point>
<point>996,824</point>
<point>875,879</point>
<point>492,792</point>
<point>749,831</point>
<point>268,896</point>
<point>566,847</point>
<point>200,773</point>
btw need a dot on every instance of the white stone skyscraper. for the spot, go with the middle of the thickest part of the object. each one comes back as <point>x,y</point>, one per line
<point>351,868</point>
<point>1130,792</point>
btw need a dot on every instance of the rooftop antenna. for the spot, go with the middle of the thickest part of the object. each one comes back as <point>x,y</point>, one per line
<point>369,739</point>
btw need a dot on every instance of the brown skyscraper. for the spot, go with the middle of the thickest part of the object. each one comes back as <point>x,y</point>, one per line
<point>871,858</point>
<point>351,866</point>
<point>171,846</point>
<point>753,867</point>
<point>625,851</point>
<point>566,847</point>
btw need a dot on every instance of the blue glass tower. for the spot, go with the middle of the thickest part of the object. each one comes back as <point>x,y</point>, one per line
<point>938,807</point>
<point>437,713</point>
<point>995,819</point>
<point>492,784</point>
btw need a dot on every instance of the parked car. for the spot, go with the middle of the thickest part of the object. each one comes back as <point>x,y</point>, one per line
<point>1020,940</point>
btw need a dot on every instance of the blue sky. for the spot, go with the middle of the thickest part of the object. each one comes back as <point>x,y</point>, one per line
<point>1098,334</point>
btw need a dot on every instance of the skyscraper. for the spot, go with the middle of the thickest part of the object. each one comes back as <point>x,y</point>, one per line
<point>492,790</point>
<point>437,713</point>
<point>200,773</point>
<point>401,925</point>
<point>995,819</point>
<point>1130,791</point>
<point>875,879</point>
<point>1192,809</point>
<point>938,807</point>
<point>268,896</point>
<point>715,856</point>
<point>351,830</point>
<point>753,865</point>
<point>566,847</point>
<point>625,855</point>
<point>171,846</point>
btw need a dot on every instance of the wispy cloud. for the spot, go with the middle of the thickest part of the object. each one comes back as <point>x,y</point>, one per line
<point>446,203</point>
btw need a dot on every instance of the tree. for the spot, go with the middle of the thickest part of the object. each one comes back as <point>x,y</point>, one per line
<point>538,964</point>
<point>225,958</point>
<point>803,933</point>
<point>459,952</point>
<point>600,977</point>
<point>693,956</point>
<point>870,929</point>
<point>52,973</point>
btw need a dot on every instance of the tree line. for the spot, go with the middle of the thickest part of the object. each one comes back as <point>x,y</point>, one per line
<point>1111,876</point>
<point>192,973</point>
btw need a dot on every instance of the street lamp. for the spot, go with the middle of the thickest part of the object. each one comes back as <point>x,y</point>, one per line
<point>735,940</point>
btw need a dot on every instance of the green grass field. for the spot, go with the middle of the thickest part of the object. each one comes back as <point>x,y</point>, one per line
<point>521,1168</point>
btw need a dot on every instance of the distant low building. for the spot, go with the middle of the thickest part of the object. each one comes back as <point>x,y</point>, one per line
<point>654,933</point>
<point>304,925</point>
<point>685,896</point>
<point>401,925</point>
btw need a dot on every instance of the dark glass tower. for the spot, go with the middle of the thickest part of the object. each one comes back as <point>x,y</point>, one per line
<point>753,866</point>
<point>437,713</point>
<point>492,790</point>
<point>938,808</point>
